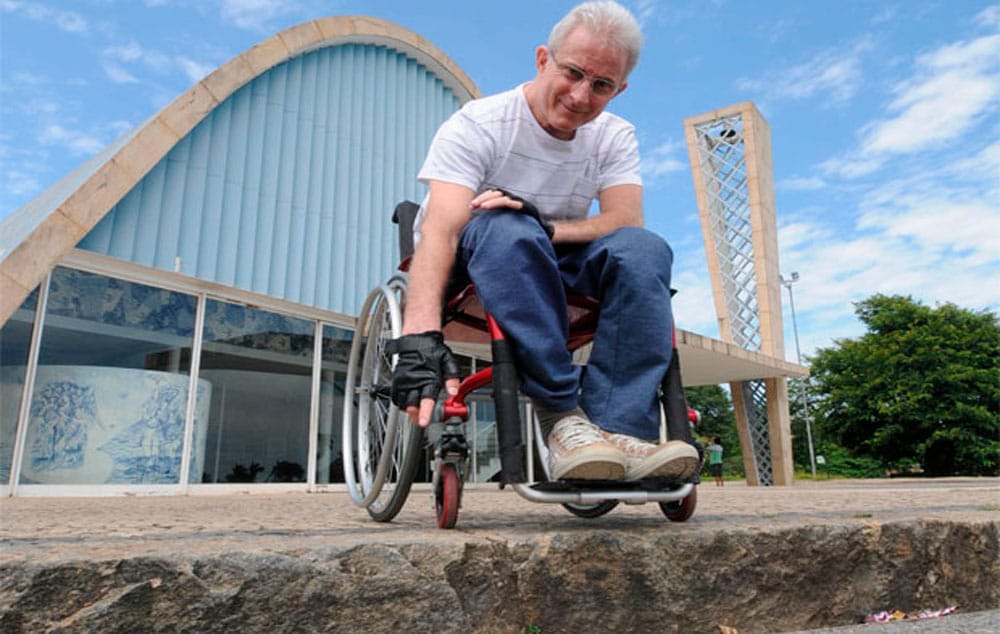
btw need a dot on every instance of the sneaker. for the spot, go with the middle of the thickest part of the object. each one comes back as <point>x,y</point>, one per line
<point>578,451</point>
<point>673,459</point>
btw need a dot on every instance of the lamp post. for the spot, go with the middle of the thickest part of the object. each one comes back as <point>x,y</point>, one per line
<point>787,283</point>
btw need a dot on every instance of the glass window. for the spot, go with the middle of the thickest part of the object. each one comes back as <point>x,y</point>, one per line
<point>110,393</point>
<point>485,443</point>
<point>259,364</point>
<point>15,340</point>
<point>333,373</point>
<point>484,440</point>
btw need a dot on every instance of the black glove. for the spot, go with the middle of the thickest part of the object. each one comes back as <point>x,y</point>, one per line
<point>423,366</point>
<point>530,210</point>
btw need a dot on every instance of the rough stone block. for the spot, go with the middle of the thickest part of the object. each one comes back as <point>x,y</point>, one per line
<point>189,109</point>
<point>146,149</point>
<point>301,37</point>
<point>266,55</point>
<point>29,263</point>
<point>98,194</point>
<point>228,78</point>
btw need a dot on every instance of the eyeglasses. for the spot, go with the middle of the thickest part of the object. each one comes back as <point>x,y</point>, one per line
<point>600,86</point>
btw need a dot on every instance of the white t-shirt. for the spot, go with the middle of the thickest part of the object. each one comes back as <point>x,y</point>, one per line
<point>496,143</point>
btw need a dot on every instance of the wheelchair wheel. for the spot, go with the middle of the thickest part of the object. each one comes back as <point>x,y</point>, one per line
<point>681,510</point>
<point>381,448</point>
<point>591,511</point>
<point>446,496</point>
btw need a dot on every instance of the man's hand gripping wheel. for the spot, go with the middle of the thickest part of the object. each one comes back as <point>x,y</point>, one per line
<point>425,365</point>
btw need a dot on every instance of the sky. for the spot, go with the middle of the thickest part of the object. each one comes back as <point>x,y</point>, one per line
<point>883,114</point>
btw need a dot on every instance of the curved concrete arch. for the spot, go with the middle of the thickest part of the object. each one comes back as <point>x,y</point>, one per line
<point>62,215</point>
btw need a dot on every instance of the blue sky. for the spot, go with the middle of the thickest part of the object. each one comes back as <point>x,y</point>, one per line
<point>884,118</point>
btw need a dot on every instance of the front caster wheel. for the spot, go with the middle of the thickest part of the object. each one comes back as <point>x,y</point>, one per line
<point>681,510</point>
<point>446,496</point>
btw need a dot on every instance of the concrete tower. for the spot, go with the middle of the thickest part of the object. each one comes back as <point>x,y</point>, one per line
<point>730,153</point>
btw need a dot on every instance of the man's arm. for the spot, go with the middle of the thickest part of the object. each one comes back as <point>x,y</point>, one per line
<point>621,206</point>
<point>447,213</point>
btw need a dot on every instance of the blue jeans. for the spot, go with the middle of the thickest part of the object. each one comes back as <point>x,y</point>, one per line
<point>522,279</point>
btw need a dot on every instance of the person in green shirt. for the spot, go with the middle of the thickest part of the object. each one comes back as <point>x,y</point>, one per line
<point>714,452</point>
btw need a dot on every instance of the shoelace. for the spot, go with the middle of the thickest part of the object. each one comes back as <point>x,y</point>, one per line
<point>577,434</point>
<point>630,444</point>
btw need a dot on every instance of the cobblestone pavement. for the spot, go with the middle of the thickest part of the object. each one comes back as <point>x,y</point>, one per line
<point>67,528</point>
<point>986,622</point>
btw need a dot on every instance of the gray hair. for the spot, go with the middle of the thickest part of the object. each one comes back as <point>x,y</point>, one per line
<point>605,18</point>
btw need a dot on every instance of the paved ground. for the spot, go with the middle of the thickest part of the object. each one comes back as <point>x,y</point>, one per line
<point>975,623</point>
<point>116,526</point>
<point>53,529</point>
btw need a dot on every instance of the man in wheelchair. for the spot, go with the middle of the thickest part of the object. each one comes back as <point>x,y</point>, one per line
<point>511,180</point>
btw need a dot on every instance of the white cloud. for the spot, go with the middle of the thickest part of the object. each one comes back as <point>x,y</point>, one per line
<point>130,52</point>
<point>694,307</point>
<point>801,184</point>
<point>195,71</point>
<point>19,182</point>
<point>120,60</point>
<point>664,159</point>
<point>799,234</point>
<point>68,21</point>
<point>938,221</point>
<point>953,88</point>
<point>833,74</point>
<point>885,15</point>
<point>77,142</point>
<point>118,74</point>
<point>927,235</point>
<point>644,11</point>
<point>255,15</point>
<point>958,83</point>
<point>133,53</point>
<point>930,225</point>
<point>989,17</point>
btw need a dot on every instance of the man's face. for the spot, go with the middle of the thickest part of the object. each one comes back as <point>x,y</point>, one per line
<point>575,83</point>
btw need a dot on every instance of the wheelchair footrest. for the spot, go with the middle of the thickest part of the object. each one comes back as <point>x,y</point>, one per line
<point>596,491</point>
<point>647,484</point>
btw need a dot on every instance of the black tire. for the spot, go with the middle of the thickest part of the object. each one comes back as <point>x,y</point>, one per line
<point>401,474</point>
<point>382,449</point>
<point>591,511</point>
<point>446,496</point>
<point>681,510</point>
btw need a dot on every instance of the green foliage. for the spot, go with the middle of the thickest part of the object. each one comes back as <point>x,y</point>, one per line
<point>841,463</point>
<point>717,419</point>
<point>922,386</point>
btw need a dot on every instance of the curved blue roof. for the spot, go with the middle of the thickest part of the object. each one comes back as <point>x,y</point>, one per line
<point>286,188</point>
<point>276,173</point>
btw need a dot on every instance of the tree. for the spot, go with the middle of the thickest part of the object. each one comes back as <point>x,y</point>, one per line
<point>921,387</point>
<point>717,419</point>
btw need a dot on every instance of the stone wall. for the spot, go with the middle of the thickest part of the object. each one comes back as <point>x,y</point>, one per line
<point>768,580</point>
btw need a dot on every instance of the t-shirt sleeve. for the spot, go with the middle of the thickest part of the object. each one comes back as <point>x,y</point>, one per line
<point>458,154</point>
<point>620,164</point>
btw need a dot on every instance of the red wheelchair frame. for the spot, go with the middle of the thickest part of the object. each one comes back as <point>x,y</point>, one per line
<point>395,444</point>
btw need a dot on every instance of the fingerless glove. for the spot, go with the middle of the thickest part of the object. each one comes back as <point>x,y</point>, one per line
<point>424,363</point>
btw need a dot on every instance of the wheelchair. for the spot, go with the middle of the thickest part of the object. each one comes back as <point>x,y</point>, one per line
<point>383,450</point>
